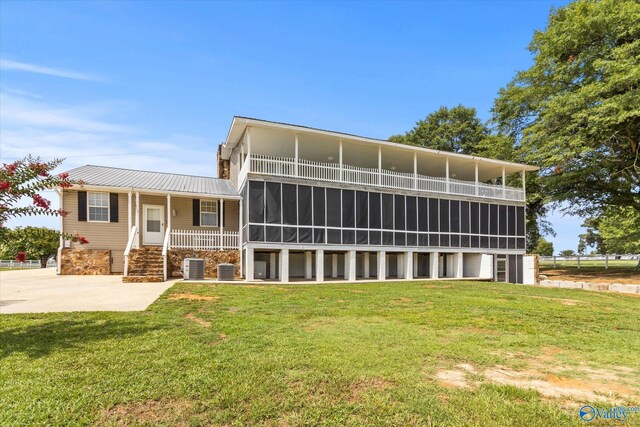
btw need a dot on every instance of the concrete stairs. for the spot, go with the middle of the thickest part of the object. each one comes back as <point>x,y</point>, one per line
<point>145,265</point>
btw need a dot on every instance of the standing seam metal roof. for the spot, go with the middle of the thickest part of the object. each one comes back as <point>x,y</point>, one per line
<point>147,180</point>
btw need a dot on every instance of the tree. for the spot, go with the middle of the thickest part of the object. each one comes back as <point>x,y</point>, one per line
<point>456,129</point>
<point>459,130</point>
<point>39,243</point>
<point>26,179</point>
<point>619,229</point>
<point>576,112</point>
<point>544,248</point>
<point>567,252</point>
<point>591,237</point>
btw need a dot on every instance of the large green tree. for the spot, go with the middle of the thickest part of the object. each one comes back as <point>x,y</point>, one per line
<point>576,111</point>
<point>39,243</point>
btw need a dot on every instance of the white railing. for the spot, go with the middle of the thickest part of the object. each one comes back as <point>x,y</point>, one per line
<point>133,234</point>
<point>204,239</point>
<point>332,172</point>
<point>165,250</point>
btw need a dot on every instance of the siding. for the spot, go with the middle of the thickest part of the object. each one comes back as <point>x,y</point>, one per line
<point>101,235</point>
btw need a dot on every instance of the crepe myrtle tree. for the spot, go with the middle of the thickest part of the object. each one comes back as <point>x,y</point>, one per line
<point>25,179</point>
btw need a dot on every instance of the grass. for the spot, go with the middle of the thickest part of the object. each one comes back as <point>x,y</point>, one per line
<point>350,354</point>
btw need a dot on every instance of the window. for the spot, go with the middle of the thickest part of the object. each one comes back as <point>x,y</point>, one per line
<point>209,213</point>
<point>98,204</point>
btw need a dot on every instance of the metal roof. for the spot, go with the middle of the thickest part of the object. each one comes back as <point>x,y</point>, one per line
<point>146,180</point>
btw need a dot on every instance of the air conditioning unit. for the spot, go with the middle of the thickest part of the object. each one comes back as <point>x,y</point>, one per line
<point>193,269</point>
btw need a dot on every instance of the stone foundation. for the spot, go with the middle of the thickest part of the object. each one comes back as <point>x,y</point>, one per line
<point>211,260</point>
<point>82,261</point>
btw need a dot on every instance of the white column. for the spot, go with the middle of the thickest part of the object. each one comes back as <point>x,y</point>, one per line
<point>249,261</point>
<point>296,156</point>
<point>382,265</point>
<point>408,265</point>
<point>273,257</point>
<point>415,170</point>
<point>379,165</point>
<point>334,265</point>
<point>415,264</point>
<point>221,223</point>
<point>241,154</point>
<point>524,185</point>
<point>319,265</point>
<point>504,184</point>
<point>138,219</point>
<point>477,186</point>
<point>350,266</point>
<point>249,141</point>
<point>129,214</point>
<point>365,265</point>
<point>340,159</point>
<point>434,265</point>
<point>169,212</point>
<point>447,174</point>
<point>284,265</point>
<point>458,265</point>
<point>308,265</point>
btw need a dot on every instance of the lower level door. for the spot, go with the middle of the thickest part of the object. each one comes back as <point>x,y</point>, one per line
<point>153,218</point>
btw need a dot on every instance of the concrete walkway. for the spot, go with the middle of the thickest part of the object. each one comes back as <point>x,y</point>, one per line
<point>42,291</point>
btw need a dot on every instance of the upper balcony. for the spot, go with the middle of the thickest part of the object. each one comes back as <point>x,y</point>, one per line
<point>273,149</point>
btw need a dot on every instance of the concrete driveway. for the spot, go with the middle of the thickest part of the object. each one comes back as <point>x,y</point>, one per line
<point>42,291</point>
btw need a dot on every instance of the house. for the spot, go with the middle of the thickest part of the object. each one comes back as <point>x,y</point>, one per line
<point>298,203</point>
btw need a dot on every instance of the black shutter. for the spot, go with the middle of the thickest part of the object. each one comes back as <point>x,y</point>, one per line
<point>82,205</point>
<point>196,212</point>
<point>113,207</point>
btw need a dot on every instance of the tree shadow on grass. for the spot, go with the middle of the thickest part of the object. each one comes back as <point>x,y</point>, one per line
<point>41,339</point>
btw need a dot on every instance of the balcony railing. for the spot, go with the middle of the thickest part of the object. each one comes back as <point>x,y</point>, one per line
<point>332,172</point>
<point>203,239</point>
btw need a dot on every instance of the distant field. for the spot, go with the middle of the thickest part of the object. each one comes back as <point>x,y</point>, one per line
<point>619,271</point>
<point>613,263</point>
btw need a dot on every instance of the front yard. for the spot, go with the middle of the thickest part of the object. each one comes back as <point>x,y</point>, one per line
<point>420,353</point>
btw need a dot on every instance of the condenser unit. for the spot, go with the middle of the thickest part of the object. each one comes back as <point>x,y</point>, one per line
<point>193,269</point>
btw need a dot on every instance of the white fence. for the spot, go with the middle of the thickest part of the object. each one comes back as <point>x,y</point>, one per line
<point>332,172</point>
<point>30,263</point>
<point>627,260</point>
<point>203,239</point>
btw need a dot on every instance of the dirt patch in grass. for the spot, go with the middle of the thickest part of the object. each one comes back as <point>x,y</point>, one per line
<point>564,301</point>
<point>595,275</point>
<point>311,326</point>
<point>400,300</point>
<point>197,320</point>
<point>149,411</point>
<point>437,286</point>
<point>193,297</point>
<point>552,379</point>
<point>358,388</point>
<point>222,337</point>
<point>357,291</point>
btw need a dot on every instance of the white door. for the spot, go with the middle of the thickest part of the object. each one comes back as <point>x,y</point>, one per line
<point>153,218</point>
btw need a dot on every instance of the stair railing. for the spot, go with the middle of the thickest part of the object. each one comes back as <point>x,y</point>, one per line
<point>165,250</point>
<point>132,238</point>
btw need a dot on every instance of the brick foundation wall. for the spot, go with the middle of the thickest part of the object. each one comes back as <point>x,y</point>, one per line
<point>211,260</point>
<point>83,261</point>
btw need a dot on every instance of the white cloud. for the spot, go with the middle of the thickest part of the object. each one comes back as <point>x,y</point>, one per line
<point>8,64</point>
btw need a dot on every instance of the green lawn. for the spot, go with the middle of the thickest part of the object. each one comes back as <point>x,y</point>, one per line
<point>361,354</point>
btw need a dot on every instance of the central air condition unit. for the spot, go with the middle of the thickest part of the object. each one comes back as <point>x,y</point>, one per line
<point>193,269</point>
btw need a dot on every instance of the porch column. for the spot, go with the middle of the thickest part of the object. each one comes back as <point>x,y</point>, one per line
<point>415,264</point>
<point>334,265</point>
<point>248,142</point>
<point>138,231</point>
<point>350,266</point>
<point>504,184</point>
<point>447,175</point>
<point>129,214</point>
<point>415,170</point>
<point>340,159</point>
<point>365,265</point>
<point>272,265</point>
<point>434,265</point>
<point>458,265</point>
<point>221,223</point>
<point>284,265</point>
<point>319,265</point>
<point>296,156</point>
<point>308,265</point>
<point>477,187</point>
<point>379,165</point>
<point>382,265</point>
<point>241,154</point>
<point>408,265</point>
<point>524,186</point>
<point>169,213</point>
<point>249,265</point>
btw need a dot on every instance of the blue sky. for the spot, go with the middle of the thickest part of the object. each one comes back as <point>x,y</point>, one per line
<point>154,85</point>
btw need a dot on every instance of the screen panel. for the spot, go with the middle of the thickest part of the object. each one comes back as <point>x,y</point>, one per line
<point>334,236</point>
<point>273,204</point>
<point>493,219</point>
<point>454,210</point>
<point>348,237</point>
<point>273,234</point>
<point>412,239</point>
<point>256,204</point>
<point>474,213</point>
<point>511,220</point>
<point>401,239</point>
<point>387,238</point>
<point>256,233</point>
<point>423,214</point>
<point>444,216</point>
<point>318,235</point>
<point>502,220</point>
<point>305,235</point>
<point>375,238</point>
<point>305,205</point>
<point>362,204</point>
<point>445,240</point>
<point>362,237</point>
<point>289,234</point>
<point>434,239</point>
<point>434,216</point>
<point>484,218</point>
<point>520,220</point>
<point>375,214</point>
<point>318,206</point>
<point>454,240</point>
<point>387,211</point>
<point>289,200</point>
<point>412,221</point>
<point>334,207</point>
<point>464,217</point>
<point>348,208</point>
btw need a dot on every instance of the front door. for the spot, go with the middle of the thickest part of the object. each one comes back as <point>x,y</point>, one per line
<point>501,268</point>
<point>153,218</point>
